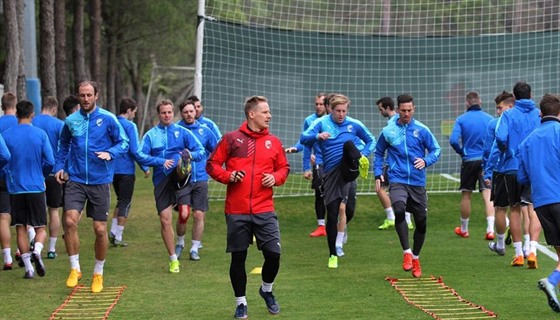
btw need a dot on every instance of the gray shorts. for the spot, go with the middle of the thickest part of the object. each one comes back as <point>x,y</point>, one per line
<point>165,193</point>
<point>335,188</point>
<point>29,209</point>
<point>194,194</point>
<point>415,198</point>
<point>98,199</point>
<point>242,227</point>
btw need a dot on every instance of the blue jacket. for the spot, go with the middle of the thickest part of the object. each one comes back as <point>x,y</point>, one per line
<point>7,121</point>
<point>405,143</point>
<point>82,136</point>
<point>32,159</point>
<point>167,142</point>
<point>5,155</point>
<point>307,151</point>
<point>208,141</point>
<point>515,125</point>
<point>52,126</point>
<point>331,149</point>
<point>491,154</point>
<point>124,162</point>
<point>467,137</point>
<point>539,159</point>
<point>211,125</point>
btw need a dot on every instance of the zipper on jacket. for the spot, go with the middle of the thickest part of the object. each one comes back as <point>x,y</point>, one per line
<point>87,147</point>
<point>252,175</point>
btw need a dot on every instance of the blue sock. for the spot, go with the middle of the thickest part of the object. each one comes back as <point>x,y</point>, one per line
<point>554,278</point>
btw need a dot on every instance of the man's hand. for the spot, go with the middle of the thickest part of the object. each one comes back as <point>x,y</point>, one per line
<point>147,173</point>
<point>268,180</point>
<point>237,176</point>
<point>61,177</point>
<point>419,163</point>
<point>103,155</point>
<point>378,181</point>
<point>323,136</point>
<point>168,164</point>
<point>290,150</point>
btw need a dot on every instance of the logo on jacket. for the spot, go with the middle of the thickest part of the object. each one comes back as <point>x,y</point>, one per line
<point>268,144</point>
<point>200,131</point>
<point>176,133</point>
<point>99,122</point>
<point>239,140</point>
<point>350,128</point>
<point>416,133</point>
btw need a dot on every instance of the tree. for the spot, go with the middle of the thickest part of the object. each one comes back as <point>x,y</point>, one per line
<point>61,67</point>
<point>78,42</point>
<point>47,71</point>
<point>13,46</point>
<point>95,30</point>
<point>21,85</point>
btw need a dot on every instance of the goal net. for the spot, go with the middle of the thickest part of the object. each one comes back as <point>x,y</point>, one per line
<point>290,50</point>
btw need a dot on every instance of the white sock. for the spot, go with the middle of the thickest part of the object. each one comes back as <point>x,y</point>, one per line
<point>407,251</point>
<point>181,240</point>
<point>52,244</point>
<point>321,222</point>
<point>75,262</point>
<point>518,248</point>
<point>114,223</point>
<point>7,253</point>
<point>390,213</point>
<point>266,287</point>
<point>195,244</point>
<point>501,241</point>
<point>526,241</point>
<point>31,234</point>
<point>339,239</point>
<point>415,257</point>
<point>490,224</point>
<point>407,217</point>
<point>38,248</point>
<point>26,257</point>
<point>533,247</point>
<point>173,257</point>
<point>119,232</point>
<point>241,300</point>
<point>464,225</point>
<point>98,266</point>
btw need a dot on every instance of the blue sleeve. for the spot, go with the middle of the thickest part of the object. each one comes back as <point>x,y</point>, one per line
<point>502,129</point>
<point>119,138</point>
<point>431,144</point>
<point>133,147</point>
<point>455,137</point>
<point>145,150</point>
<point>63,148</point>
<point>368,138</point>
<point>193,144</point>
<point>380,149</point>
<point>309,136</point>
<point>488,140</point>
<point>493,159</point>
<point>5,154</point>
<point>211,143</point>
<point>522,176</point>
<point>48,156</point>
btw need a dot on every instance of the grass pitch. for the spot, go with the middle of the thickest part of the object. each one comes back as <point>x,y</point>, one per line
<point>305,287</point>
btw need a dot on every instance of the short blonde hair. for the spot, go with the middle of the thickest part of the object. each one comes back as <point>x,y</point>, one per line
<point>337,99</point>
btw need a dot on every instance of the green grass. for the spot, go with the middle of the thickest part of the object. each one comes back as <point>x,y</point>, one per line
<point>305,287</point>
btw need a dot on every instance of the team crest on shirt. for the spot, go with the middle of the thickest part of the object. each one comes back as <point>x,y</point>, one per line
<point>99,122</point>
<point>268,144</point>
<point>416,133</point>
<point>350,128</point>
<point>176,134</point>
<point>200,131</point>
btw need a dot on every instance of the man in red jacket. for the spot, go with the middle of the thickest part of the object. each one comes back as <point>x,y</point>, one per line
<point>254,163</point>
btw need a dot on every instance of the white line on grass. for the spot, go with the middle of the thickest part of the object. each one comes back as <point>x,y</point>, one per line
<point>547,252</point>
<point>450,177</point>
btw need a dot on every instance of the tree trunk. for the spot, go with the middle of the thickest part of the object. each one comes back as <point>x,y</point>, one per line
<point>95,29</point>
<point>78,42</point>
<point>47,70</point>
<point>62,89</point>
<point>111,72</point>
<point>21,85</point>
<point>12,46</point>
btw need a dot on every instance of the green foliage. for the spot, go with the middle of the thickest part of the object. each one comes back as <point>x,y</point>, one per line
<point>305,287</point>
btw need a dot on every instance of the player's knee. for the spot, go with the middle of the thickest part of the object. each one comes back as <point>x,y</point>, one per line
<point>271,256</point>
<point>399,207</point>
